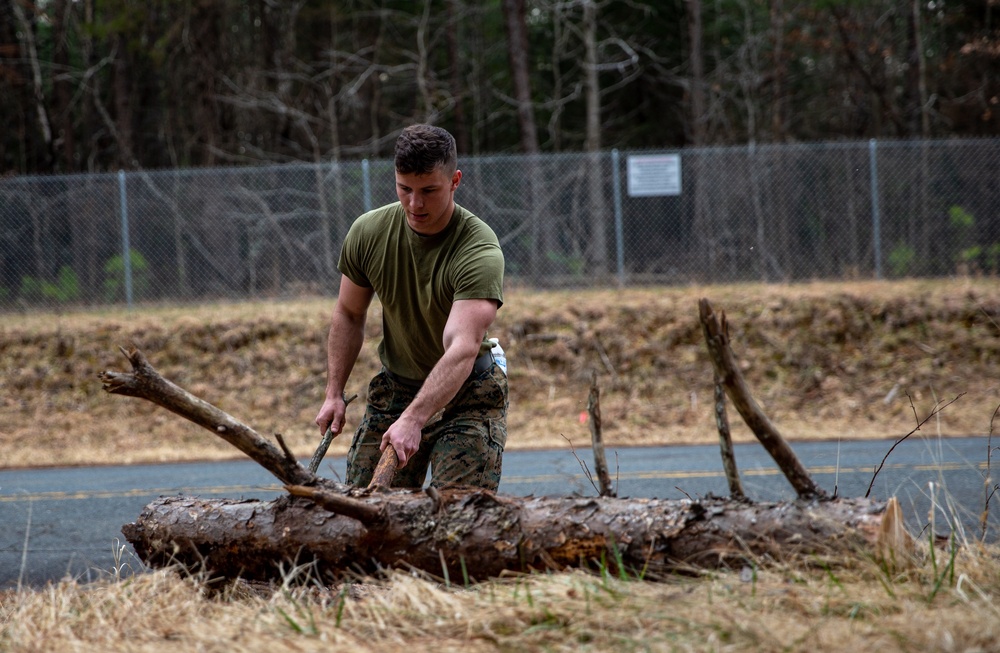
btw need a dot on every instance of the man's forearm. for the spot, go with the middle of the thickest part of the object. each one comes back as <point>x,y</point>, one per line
<point>463,335</point>
<point>343,346</point>
<point>440,386</point>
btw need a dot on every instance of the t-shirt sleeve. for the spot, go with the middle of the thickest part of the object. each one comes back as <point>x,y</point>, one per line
<point>352,255</point>
<point>481,274</point>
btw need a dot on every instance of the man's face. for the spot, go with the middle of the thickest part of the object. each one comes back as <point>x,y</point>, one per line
<point>429,200</point>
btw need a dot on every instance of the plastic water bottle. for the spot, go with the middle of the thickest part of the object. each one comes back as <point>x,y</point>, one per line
<point>498,354</point>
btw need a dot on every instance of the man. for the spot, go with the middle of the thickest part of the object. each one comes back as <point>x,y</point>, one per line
<point>440,399</point>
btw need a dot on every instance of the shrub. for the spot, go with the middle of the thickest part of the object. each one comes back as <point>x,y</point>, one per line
<point>114,276</point>
<point>65,289</point>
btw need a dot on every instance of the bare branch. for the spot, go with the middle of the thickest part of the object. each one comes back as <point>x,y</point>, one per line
<point>724,362</point>
<point>145,382</point>
<point>937,409</point>
<point>600,460</point>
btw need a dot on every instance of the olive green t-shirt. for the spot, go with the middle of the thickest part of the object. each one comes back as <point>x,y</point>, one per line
<point>417,278</point>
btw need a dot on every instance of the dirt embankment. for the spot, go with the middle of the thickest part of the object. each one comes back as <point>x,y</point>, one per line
<point>851,361</point>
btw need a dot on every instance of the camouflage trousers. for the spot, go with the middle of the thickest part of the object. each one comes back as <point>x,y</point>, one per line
<point>462,445</point>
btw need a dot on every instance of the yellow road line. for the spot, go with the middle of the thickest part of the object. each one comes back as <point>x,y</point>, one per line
<point>111,494</point>
<point>508,480</point>
<point>825,469</point>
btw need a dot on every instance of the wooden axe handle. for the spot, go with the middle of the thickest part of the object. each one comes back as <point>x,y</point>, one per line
<point>385,469</point>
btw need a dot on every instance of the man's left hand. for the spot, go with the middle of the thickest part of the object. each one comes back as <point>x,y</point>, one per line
<point>404,436</point>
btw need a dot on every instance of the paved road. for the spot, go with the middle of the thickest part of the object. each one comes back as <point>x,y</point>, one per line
<point>67,522</point>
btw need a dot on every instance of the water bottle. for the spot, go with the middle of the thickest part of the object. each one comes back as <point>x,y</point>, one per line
<point>499,357</point>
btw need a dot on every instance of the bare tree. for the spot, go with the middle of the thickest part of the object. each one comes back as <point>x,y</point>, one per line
<point>697,119</point>
<point>597,244</point>
<point>27,25</point>
<point>518,54</point>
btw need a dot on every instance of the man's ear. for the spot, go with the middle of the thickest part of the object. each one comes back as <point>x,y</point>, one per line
<point>456,179</point>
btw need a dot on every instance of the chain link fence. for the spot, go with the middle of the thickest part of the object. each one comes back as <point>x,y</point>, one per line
<point>775,213</point>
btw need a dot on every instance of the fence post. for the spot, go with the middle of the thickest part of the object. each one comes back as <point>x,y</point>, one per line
<point>126,248</point>
<point>876,217</point>
<point>619,229</point>
<point>366,185</point>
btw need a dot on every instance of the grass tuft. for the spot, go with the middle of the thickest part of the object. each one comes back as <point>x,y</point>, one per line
<point>949,603</point>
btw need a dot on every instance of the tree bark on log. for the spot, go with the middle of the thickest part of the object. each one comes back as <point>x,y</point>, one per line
<point>479,534</point>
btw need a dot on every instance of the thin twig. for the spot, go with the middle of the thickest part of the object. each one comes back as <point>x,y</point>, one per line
<point>618,472</point>
<point>284,447</point>
<point>586,470</point>
<point>716,331</point>
<point>24,549</point>
<point>937,409</point>
<point>984,519</point>
<point>603,353</point>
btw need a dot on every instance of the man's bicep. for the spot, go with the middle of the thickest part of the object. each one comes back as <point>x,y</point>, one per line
<point>353,299</point>
<point>469,319</point>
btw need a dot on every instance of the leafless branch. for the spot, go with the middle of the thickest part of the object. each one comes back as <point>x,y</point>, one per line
<point>937,409</point>
<point>583,464</point>
<point>991,491</point>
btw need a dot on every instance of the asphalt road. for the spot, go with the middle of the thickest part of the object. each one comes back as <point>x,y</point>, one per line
<point>64,522</point>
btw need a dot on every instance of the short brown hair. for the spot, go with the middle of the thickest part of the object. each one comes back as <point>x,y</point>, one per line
<point>422,148</point>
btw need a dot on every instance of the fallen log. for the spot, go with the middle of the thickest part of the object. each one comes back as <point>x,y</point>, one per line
<point>475,534</point>
<point>337,530</point>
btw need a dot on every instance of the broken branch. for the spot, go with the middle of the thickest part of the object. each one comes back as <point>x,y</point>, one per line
<point>724,362</point>
<point>145,382</point>
<point>600,460</point>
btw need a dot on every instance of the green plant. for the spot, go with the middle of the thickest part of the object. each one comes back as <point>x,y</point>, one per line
<point>963,224</point>
<point>574,264</point>
<point>970,254</point>
<point>114,276</point>
<point>66,287</point>
<point>960,218</point>
<point>304,610</point>
<point>901,259</point>
<point>945,572</point>
<point>617,561</point>
<point>993,258</point>
<point>341,602</point>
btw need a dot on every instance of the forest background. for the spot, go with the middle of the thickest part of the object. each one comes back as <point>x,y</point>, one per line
<point>99,85</point>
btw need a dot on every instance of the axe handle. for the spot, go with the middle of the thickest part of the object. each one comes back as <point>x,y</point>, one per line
<point>385,470</point>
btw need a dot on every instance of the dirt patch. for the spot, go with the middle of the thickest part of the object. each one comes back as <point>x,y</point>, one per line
<point>851,361</point>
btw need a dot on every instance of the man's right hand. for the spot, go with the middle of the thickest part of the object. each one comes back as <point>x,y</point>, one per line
<point>332,415</point>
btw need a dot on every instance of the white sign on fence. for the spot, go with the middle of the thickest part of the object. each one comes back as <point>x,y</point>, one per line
<point>651,175</point>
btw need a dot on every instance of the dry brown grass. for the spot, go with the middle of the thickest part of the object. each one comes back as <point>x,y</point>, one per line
<point>825,361</point>
<point>938,606</point>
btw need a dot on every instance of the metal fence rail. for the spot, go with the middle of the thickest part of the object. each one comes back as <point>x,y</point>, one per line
<point>713,215</point>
